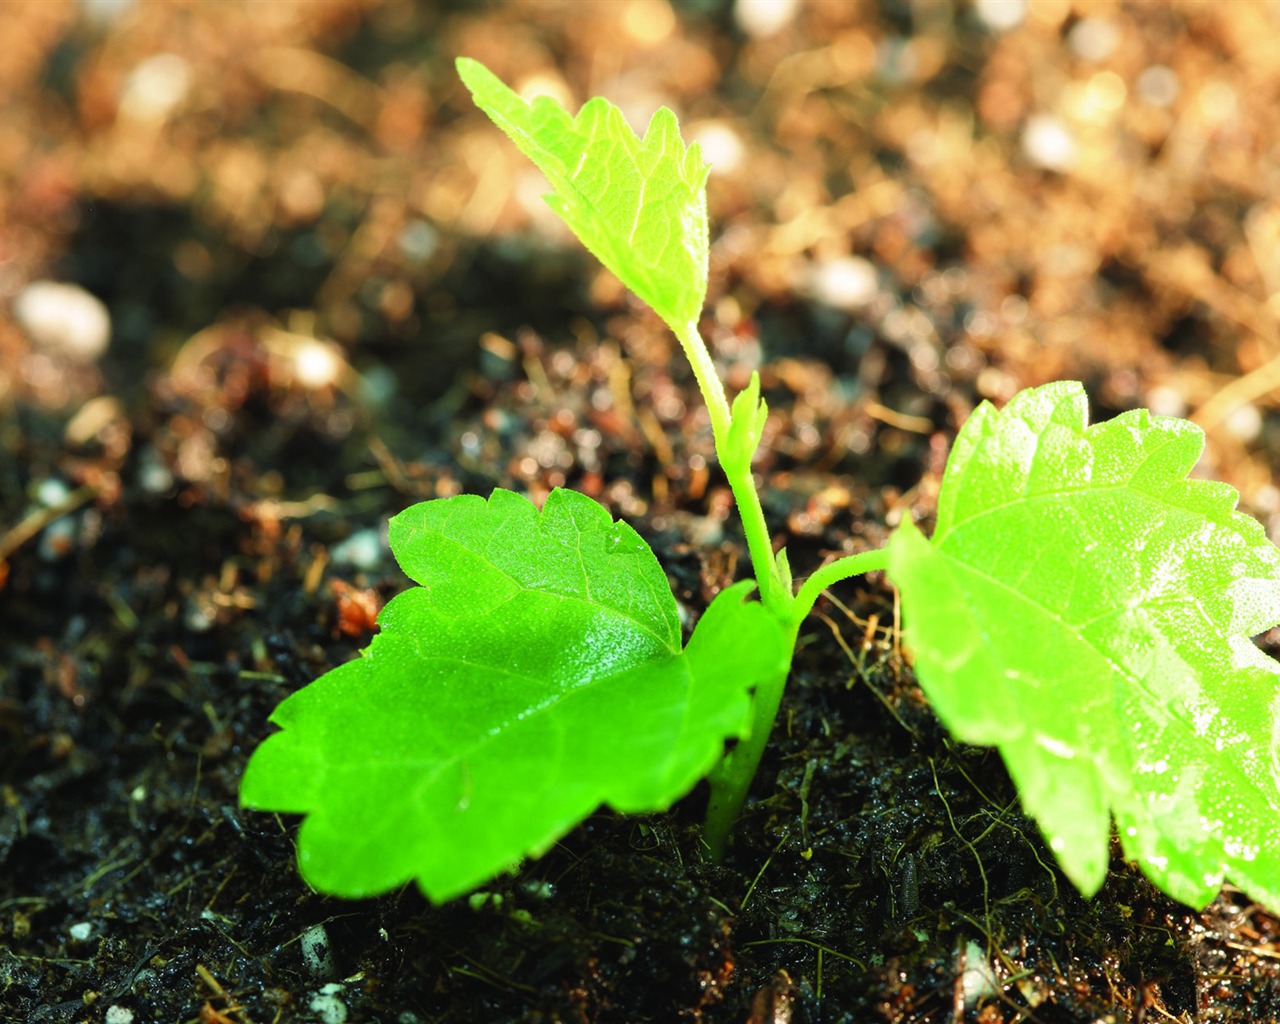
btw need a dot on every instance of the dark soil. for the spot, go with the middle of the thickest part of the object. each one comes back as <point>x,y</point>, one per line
<point>175,515</point>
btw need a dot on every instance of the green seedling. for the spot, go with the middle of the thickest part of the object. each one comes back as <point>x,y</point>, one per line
<point>1082,605</point>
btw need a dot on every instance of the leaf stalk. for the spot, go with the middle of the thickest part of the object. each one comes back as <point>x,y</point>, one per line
<point>731,779</point>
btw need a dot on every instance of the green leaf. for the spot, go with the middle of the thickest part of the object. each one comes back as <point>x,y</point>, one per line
<point>534,674</point>
<point>1087,609</point>
<point>639,205</point>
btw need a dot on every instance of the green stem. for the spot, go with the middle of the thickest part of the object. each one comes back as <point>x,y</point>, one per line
<point>704,372</point>
<point>773,592</point>
<point>833,572</point>
<point>731,779</point>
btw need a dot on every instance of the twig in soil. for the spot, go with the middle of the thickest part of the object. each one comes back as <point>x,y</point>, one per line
<point>479,972</point>
<point>822,950</point>
<point>208,1013</point>
<point>901,420</point>
<point>1255,384</point>
<point>998,819</point>
<point>394,472</point>
<point>982,871</point>
<point>1269,954</point>
<point>18,535</point>
<point>126,984</point>
<point>1189,272</point>
<point>759,874</point>
<point>858,663</point>
<point>111,864</point>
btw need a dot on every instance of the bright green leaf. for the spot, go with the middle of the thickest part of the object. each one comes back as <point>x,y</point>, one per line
<point>638,204</point>
<point>534,674</point>
<point>1087,609</point>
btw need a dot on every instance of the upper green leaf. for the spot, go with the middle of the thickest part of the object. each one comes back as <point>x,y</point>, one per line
<point>1087,608</point>
<point>535,674</point>
<point>639,204</point>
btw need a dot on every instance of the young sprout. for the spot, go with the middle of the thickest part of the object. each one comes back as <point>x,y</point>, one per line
<point>1082,605</point>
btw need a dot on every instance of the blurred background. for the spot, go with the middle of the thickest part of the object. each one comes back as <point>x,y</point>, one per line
<point>976,196</point>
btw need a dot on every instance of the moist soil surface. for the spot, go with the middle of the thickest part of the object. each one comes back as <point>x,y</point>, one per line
<point>332,293</point>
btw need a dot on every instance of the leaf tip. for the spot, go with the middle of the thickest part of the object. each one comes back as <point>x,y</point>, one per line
<point>474,75</point>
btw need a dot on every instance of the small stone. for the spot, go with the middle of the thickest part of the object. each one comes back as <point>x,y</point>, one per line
<point>1000,15</point>
<point>979,981</point>
<point>317,954</point>
<point>1164,400</point>
<point>847,282</point>
<point>721,146</point>
<point>760,18</point>
<point>80,931</point>
<point>1048,143</point>
<point>419,241</point>
<point>155,88</point>
<point>1093,39</point>
<point>197,617</point>
<point>1244,422</point>
<point>154,476</point>
<point>58,540</point>
<point>326,1005</point>
<point>1158,85</point>
<point>52,491</point>
<point>317,364</point>
<point>104,12</point>
<point>118,1015</point>
<point>64,319</point>
<point>362,550</point>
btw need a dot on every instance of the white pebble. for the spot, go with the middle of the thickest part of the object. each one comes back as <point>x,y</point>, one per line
<point>1244,422</point>
<point>1000,15</point>
<point>197,618</point>
<point>58,540</point>
<point>721,146</point>
<point>64,318</point>
<point>760,18</point>
<point>419,241</point>
<point>1048,143</point>
<point>979,981</point>
<point>1093,39</point>
<point>51,491</point>
<point>80,931</point>
<point>327,1006</point>
<point>104,12</point>
<point>317,364</point>
<point>847,282</point>
<point>317,954</point>
<point>118,1015</point>
<point>155,88</point>
<point>363,550</point>
<point>1158,85</point>
<point>1164,400</point>
<point>153,475</point>
<point>1218,102</point>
